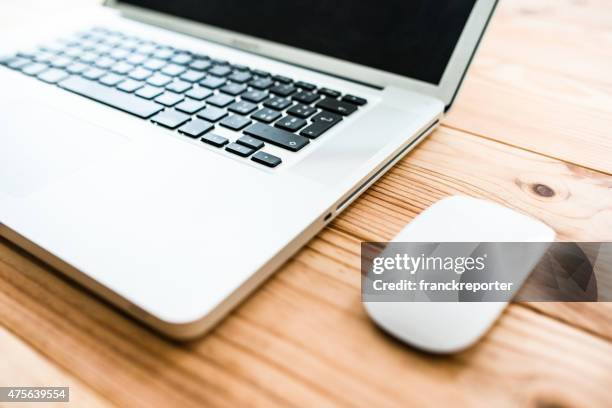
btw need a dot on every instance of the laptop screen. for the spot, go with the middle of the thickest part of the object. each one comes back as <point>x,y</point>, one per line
<point>412,38</point>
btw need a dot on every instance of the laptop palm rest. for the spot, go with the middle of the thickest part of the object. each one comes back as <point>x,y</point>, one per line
<point>345,152</point>
<point>40,145</point>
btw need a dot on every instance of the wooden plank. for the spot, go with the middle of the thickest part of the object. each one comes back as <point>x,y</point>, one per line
<point>21,366</point>
<point>567,37</point>
<point>542,81</point>
<point>559,117</point>
<point>575,201</point>
<point>139,366</point>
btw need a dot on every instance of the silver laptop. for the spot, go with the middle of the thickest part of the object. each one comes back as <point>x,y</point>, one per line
<point>170,155</point>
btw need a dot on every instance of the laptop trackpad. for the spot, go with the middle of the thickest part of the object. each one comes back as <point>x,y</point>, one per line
<point>40,145</point>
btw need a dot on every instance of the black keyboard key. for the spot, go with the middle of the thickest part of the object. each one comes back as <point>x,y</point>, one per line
<point>140,74</point>
<point>327,117</point>
<point>122,68</point>
<point>336,106</point>
<point>320,124</point>
<point>261,83</point>
<point>235,122</point>
<point>154,64</point>
<point>129,85</point>
<point>212,82</point>
<point>77,68</point>
<point>159,80</point>
<point>305,97</point>
<point>254,96</point>
<point>329,92</point>
<point>170,118</point>
<point>200,64</point>
<point>215,140</point>
<point>266,159</point>
<point>220,100</point>
<point>242,107</point>
<point>266,115</point>
<point>260,73</point>
<point>53,75</point>
<point>178,86</point>
<point>251,142</point>
<point>181,59</point>
<point>239,149</point>
<point>169,98</point>
<point>212,114</point>
<point>27,55</point>
<point>112,97</point>
<point>104,48</point>
<point>233,89</point>
<point>149,92</point>
<point>173,69</point>
<point>196,127</point>
<point>5,59</point>
<point>240,67</point>
<point>35,68</point>
<point>355,100</point>
<point>220,70</point>
<point>107,49</point>
<point>302,111</point>
<point>192,76</point>
<point>105,62</point>
<point>282,79</point>
<point>61,62</point>
<point>306,85</point>
<point>290,123</point>
<point>18,63</point>
<point>146,49</point>
<point>283,90</point>
<point>190,106</point>
<point>277,103</point>
<point>163,53</point>
<point>315,130</point>
<point>136,59</point>
<point>88,57</point>
<point>240,77</point>
<point>94,73</point>
<point>111,79</point>
<point>276,136</point>
<point>199,93</point>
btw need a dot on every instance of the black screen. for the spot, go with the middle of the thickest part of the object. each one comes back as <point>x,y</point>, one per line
<point>413,38</point>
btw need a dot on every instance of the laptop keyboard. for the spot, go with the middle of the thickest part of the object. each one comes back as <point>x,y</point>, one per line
<point>189,92</point>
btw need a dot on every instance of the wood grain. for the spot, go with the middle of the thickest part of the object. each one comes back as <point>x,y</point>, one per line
<point>542,81</point>
<point>21,365</point>
<point>529,131</point>
<point>574,201</point>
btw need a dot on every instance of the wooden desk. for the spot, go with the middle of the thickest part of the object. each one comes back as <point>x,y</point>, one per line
<point>531,130</point>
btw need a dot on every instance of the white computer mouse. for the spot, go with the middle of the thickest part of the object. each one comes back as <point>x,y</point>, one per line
<point>448,327</point>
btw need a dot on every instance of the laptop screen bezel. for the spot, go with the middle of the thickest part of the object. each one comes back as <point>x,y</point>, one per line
<point>446,90</point>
